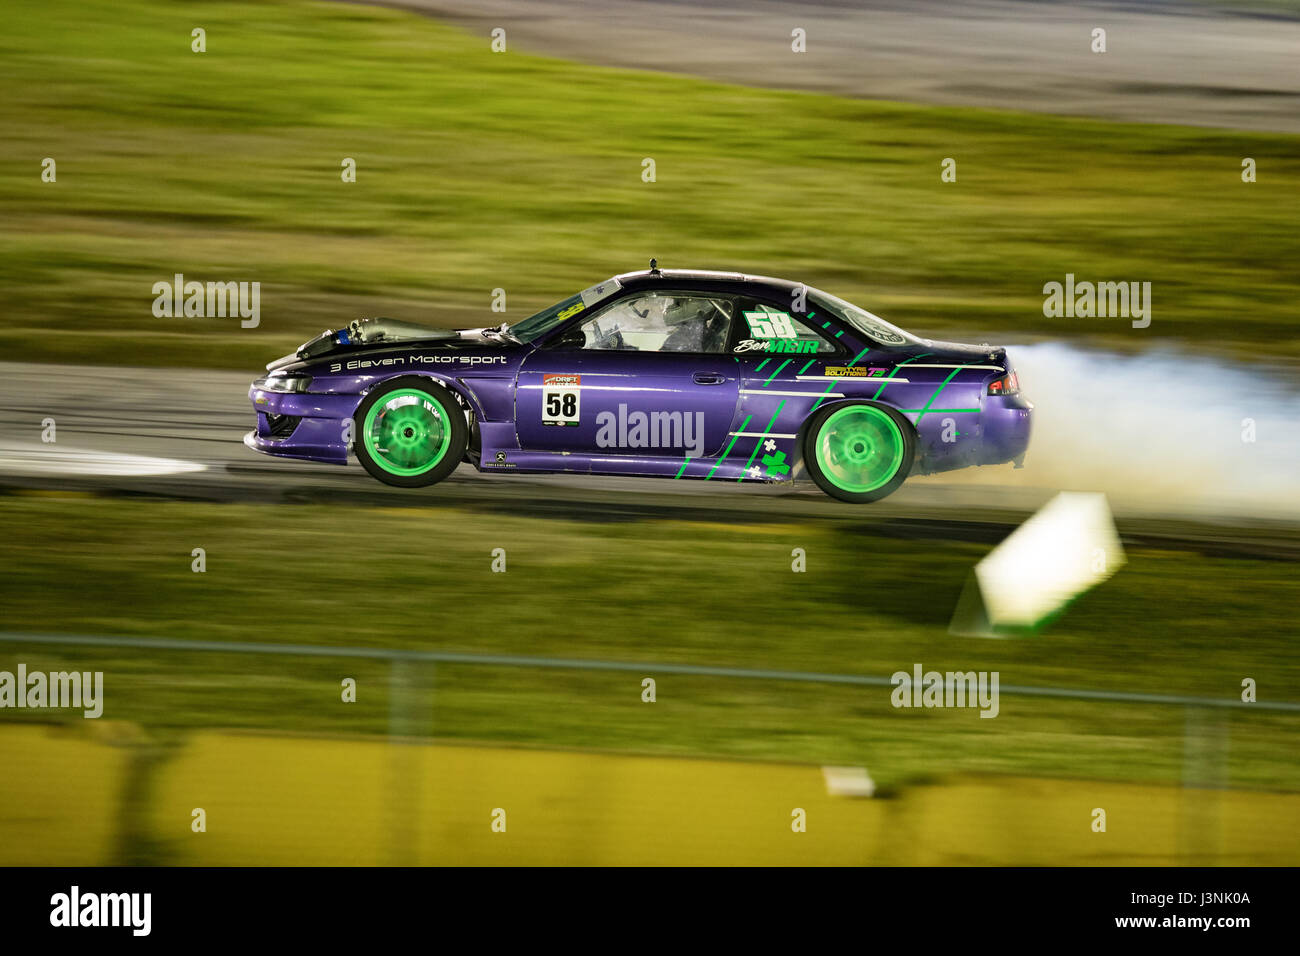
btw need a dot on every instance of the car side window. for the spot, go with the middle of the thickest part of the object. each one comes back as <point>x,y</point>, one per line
<point>765,328</point>
<point>662,322</point>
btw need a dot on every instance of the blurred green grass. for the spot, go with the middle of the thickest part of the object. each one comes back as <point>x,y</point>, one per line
<point>479,171</point>
<point>643,591</point>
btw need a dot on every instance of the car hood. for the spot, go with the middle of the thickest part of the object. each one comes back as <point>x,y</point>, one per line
<point>363,334</point>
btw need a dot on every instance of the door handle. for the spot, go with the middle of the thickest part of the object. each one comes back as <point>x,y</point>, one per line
<point>708,378</point>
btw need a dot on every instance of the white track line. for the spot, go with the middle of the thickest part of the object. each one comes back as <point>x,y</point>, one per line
<point>53,460</point>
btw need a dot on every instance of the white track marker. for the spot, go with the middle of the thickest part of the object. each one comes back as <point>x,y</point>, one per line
<point>1068,547</point>
<point>848,782</point>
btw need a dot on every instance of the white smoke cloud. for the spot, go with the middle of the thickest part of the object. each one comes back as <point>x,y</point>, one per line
<point>1160,431</point>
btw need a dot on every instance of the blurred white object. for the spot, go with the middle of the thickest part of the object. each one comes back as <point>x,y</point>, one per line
<point>848,782</point>
<point>1069,546</point>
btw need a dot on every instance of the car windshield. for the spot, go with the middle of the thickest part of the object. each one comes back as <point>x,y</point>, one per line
<point>535,326</point>
<point>531,328</point>
<point>870,325</point>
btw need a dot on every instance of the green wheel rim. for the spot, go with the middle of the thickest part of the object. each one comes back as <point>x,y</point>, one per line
<point>407,432</point>
<point>860,448</point>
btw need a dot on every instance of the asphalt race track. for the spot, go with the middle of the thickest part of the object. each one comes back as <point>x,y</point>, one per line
<point>178,433</point>
<point>1165,62</point>
<point>189,417</point>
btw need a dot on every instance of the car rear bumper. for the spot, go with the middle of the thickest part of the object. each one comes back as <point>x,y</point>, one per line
<point>1001,435</point>
<point>1006,425</point>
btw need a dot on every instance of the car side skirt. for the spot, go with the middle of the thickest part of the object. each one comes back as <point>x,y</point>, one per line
<point>673,467</point>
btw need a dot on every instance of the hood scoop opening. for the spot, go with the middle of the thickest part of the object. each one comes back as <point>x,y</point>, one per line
<point>374,331</point>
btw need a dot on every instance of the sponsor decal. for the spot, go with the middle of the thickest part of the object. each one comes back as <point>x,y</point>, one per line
<point>775,464</point>
<point>561,400</point>
<point>848,371</point>
<point>873,327</point>
<point>571,310</point>
<point>600,291</point>
<point>792,345</point>
<point>434,359</point>
<point>804,347</point>
<point>354,365</point>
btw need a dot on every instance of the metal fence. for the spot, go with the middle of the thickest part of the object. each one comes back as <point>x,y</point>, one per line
<point>399,658</point>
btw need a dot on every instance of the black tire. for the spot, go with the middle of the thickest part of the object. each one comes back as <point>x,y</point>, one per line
<point>866,454</point>
<point>422,445</point>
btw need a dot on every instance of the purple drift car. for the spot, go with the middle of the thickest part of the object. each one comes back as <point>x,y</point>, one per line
<point>663,373</point>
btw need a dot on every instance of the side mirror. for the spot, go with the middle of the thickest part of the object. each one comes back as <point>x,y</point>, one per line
<point>573,338</point>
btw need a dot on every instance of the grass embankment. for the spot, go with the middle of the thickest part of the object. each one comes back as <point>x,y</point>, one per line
<point>675,592</point>
<point>479,171</point>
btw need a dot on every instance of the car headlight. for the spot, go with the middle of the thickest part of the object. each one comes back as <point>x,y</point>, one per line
<point>291,382</point>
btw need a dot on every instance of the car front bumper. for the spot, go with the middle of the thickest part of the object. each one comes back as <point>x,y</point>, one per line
<point>308,425</point>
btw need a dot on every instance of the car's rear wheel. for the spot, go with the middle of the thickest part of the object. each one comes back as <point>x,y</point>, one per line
<point>859,452</point>
<point>410,432</point>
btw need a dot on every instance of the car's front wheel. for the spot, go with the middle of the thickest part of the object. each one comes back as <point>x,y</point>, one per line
<point>410,432</point>
<point>859,452</point>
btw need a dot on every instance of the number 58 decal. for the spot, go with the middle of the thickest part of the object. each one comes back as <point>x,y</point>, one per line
<point>770,325</point>
<point>561,398</point>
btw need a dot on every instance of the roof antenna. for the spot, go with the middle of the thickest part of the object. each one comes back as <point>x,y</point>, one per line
<point>654,267</point>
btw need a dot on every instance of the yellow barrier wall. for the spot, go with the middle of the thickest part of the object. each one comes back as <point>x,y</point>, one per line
<point>277,800</point>
<point>59,797</point>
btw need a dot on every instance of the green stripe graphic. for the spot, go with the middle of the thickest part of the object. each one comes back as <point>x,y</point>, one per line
<point>942,386</point>
<point>777,372</point>
<point>730,445</point>
<point>831,385</point>
<point>758,442</point>
<point>895,372</point>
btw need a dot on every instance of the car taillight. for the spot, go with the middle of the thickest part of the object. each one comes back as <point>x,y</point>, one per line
<point>1008,384</point>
